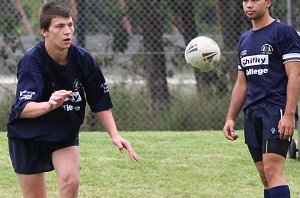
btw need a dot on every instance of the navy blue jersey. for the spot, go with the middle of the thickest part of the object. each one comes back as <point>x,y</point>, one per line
<point>39,76</point>
<point>262,55</point>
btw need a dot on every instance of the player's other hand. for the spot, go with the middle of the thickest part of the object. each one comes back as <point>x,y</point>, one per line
<point>57,98</point>
<point>228,130</point>
<point>286,126</point>
<point>122,144</point>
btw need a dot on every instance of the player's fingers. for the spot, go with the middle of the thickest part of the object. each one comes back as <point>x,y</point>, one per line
<point>135,157</point>
<point>288,133</point>
<point>235,136</point>
<point>119,145</point>
<point>281,135</point>
<point>280,130</point>
<point>63,92</point>
<point>285,133</point>
<point>227,134</point>
<point>132,153</point>
<point>130,150</point>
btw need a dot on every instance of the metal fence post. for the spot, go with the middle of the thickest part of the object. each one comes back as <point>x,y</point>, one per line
<point>289,12</point>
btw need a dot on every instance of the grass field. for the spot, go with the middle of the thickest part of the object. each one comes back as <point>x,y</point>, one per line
<point>174,164</point>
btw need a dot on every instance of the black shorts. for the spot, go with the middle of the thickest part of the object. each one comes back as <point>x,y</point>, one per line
<point>277,146</point>
<point>31,156</point>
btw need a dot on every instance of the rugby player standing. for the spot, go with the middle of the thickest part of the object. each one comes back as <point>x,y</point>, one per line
<point>267,88</point>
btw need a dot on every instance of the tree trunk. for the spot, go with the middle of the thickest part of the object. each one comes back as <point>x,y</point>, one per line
<point>24,21</point>
<point>155,62</point>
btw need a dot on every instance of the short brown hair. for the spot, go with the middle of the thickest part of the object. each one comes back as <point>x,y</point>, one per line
<point>51,10</point>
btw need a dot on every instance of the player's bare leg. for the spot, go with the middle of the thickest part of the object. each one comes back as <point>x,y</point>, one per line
<point>66,162</point>
<point>274,169</point>
<point>260,167</point>
<point>33,186</point>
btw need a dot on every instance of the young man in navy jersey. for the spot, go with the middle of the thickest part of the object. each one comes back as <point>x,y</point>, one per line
<point>267,88</point>
<point>55,81</point>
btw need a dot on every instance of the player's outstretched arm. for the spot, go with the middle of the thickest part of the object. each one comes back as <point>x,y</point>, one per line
<point>107,120</point>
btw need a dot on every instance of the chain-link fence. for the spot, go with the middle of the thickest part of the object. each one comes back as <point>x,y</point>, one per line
<point>140,46</point>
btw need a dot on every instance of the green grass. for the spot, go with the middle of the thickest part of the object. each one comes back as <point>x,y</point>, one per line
<point>174,164</point>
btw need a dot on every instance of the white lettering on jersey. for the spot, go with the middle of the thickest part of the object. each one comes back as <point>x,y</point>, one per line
<point>255,60</point>
<point>256,71</point>
<point>26,95</point>
<point>74,97</point>
<point>68,107</point>
<point>104,86</point>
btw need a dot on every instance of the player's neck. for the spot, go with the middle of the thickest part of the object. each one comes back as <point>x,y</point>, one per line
<point>263,22</point>
<point>58,55</point>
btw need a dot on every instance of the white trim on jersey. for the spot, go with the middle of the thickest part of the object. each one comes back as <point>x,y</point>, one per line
<point>291,57</point>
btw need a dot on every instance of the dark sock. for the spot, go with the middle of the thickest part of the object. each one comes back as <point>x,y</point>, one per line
<point>280,192</point>
<point>267,193</point>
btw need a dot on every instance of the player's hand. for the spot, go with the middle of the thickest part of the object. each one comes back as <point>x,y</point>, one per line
<point>286,127</point>
<point>122,144</point>
<point>228,130</point>
<point>57,98</point>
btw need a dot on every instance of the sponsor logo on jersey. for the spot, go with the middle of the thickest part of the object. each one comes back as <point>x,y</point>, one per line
<point>77,85</point>
<point>74,97</point>
<point>26,95</point>
<point>243,53</point>
<point>267,49</point>
<point>255,60</point>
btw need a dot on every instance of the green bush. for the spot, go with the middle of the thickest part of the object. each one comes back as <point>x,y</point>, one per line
<point>5,106</point>
<point>187,111</point>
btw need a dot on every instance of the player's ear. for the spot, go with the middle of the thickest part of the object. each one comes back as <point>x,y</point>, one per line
<point>269,3</point>
<point>44,33</point>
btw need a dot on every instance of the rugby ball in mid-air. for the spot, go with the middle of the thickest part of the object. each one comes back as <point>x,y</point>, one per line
<point>202,53</point>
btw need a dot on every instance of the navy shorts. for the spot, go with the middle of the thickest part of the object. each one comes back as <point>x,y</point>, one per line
<point>32,156</point>
<point>261,124</point>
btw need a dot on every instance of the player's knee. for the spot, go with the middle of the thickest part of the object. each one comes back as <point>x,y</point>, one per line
<point>69,183</point>
<point>270,172</point>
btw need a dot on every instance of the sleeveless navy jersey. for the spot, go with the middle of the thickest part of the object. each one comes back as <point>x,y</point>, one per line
<point>39,76</point>
<point>262,55</point>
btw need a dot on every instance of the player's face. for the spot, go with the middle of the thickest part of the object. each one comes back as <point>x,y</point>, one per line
<point>60,33</point>
<point>256,9</point>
